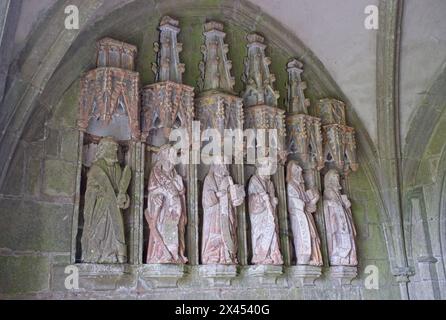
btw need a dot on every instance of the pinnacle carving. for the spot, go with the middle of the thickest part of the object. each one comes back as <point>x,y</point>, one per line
<point>296,101</point>
<point>215,68</point>
<point>259,82</point>
<point>168,66</point>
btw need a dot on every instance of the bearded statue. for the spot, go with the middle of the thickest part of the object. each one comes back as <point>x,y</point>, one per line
<point>106,196</point>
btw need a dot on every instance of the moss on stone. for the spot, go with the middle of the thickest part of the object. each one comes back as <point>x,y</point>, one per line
<point>59,178</point>
<point>24,274</point>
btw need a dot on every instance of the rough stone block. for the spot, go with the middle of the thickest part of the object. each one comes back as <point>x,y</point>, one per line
<point>33,177</point>
<point>35,226</point>
<point>59,178</point>
<point>52,142</point>
<point>69,145</point>
<point>24,274</point>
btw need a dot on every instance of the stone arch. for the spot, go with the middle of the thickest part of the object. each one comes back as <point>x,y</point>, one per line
<point>39,86</point>
<point>428,183</point>
<point>442,213</point>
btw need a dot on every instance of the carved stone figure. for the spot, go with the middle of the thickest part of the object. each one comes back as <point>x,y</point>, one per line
<point>103,238</point>
<point>339,223</point>
<point>263,217</point>
<point>166,211</point>
<point>302,206</point>
<point>220,197</point>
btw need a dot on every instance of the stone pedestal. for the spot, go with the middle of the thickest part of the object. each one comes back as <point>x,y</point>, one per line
<point>218,275</point>
<point>303,276</point>
<point>343,275</point>
<point>267,274</point>
<point>163,275</point>
<point>94,277</point>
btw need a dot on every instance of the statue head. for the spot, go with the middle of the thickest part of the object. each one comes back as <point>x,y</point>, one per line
<point>265,166</point>
<point>331,180</point>
<point>166,157</point>
<point>219,166</point>
<point>107,150</point>
<point>294,172</point>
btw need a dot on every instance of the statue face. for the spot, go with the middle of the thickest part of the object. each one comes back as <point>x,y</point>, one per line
<point>220,170</point>
<point>108,151</point>
<point>168,159</point>
<point>297,173</point>
<point>333,180</point>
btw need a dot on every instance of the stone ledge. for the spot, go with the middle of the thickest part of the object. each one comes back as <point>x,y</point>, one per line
<point>219,275</point>
<point>343,275</point>
<point>267,274</point>
<point>303,276</point>
<point>96,277</point>
<point>163,275</point>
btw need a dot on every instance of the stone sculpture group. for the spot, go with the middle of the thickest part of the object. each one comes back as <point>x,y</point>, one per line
<point>313,148</point>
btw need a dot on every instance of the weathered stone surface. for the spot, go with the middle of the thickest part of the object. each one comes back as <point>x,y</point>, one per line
<point>24,274</point>
<point>69,145</point>
<point>59,178</point>
<point>35,226</point>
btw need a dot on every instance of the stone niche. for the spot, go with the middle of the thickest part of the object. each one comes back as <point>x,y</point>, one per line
<point>141,122</point>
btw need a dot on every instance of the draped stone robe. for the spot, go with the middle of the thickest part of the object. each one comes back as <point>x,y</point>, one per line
<point>166,215</point>
<point>264,223</point>
<point>341,230</point>
<point>219,241</point>
<point>307,243</point>
<point>103,238</point>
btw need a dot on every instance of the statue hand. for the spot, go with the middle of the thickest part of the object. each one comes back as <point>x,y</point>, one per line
<point>158,200</point>
<point>275,201</point>
<point>123,201</point>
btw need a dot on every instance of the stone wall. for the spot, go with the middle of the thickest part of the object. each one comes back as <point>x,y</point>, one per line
<point>37,204</point>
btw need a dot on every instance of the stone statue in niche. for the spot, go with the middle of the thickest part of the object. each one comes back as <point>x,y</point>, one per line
<point>220,197</point>
<point>166,211</point>
<point>339,223</point>
<point>263,216</point>
<point>302,206</point>
<point>106,195</point>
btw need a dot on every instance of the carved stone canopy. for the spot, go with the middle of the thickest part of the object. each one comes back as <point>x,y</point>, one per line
<point>114,53</point>
<point>267,117</point>
<point>166,105</point>
<point>109,103</point>
<point>331,111</point>
<point>304,140</point>
<point>339,139</point>
<point>220,111</point>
